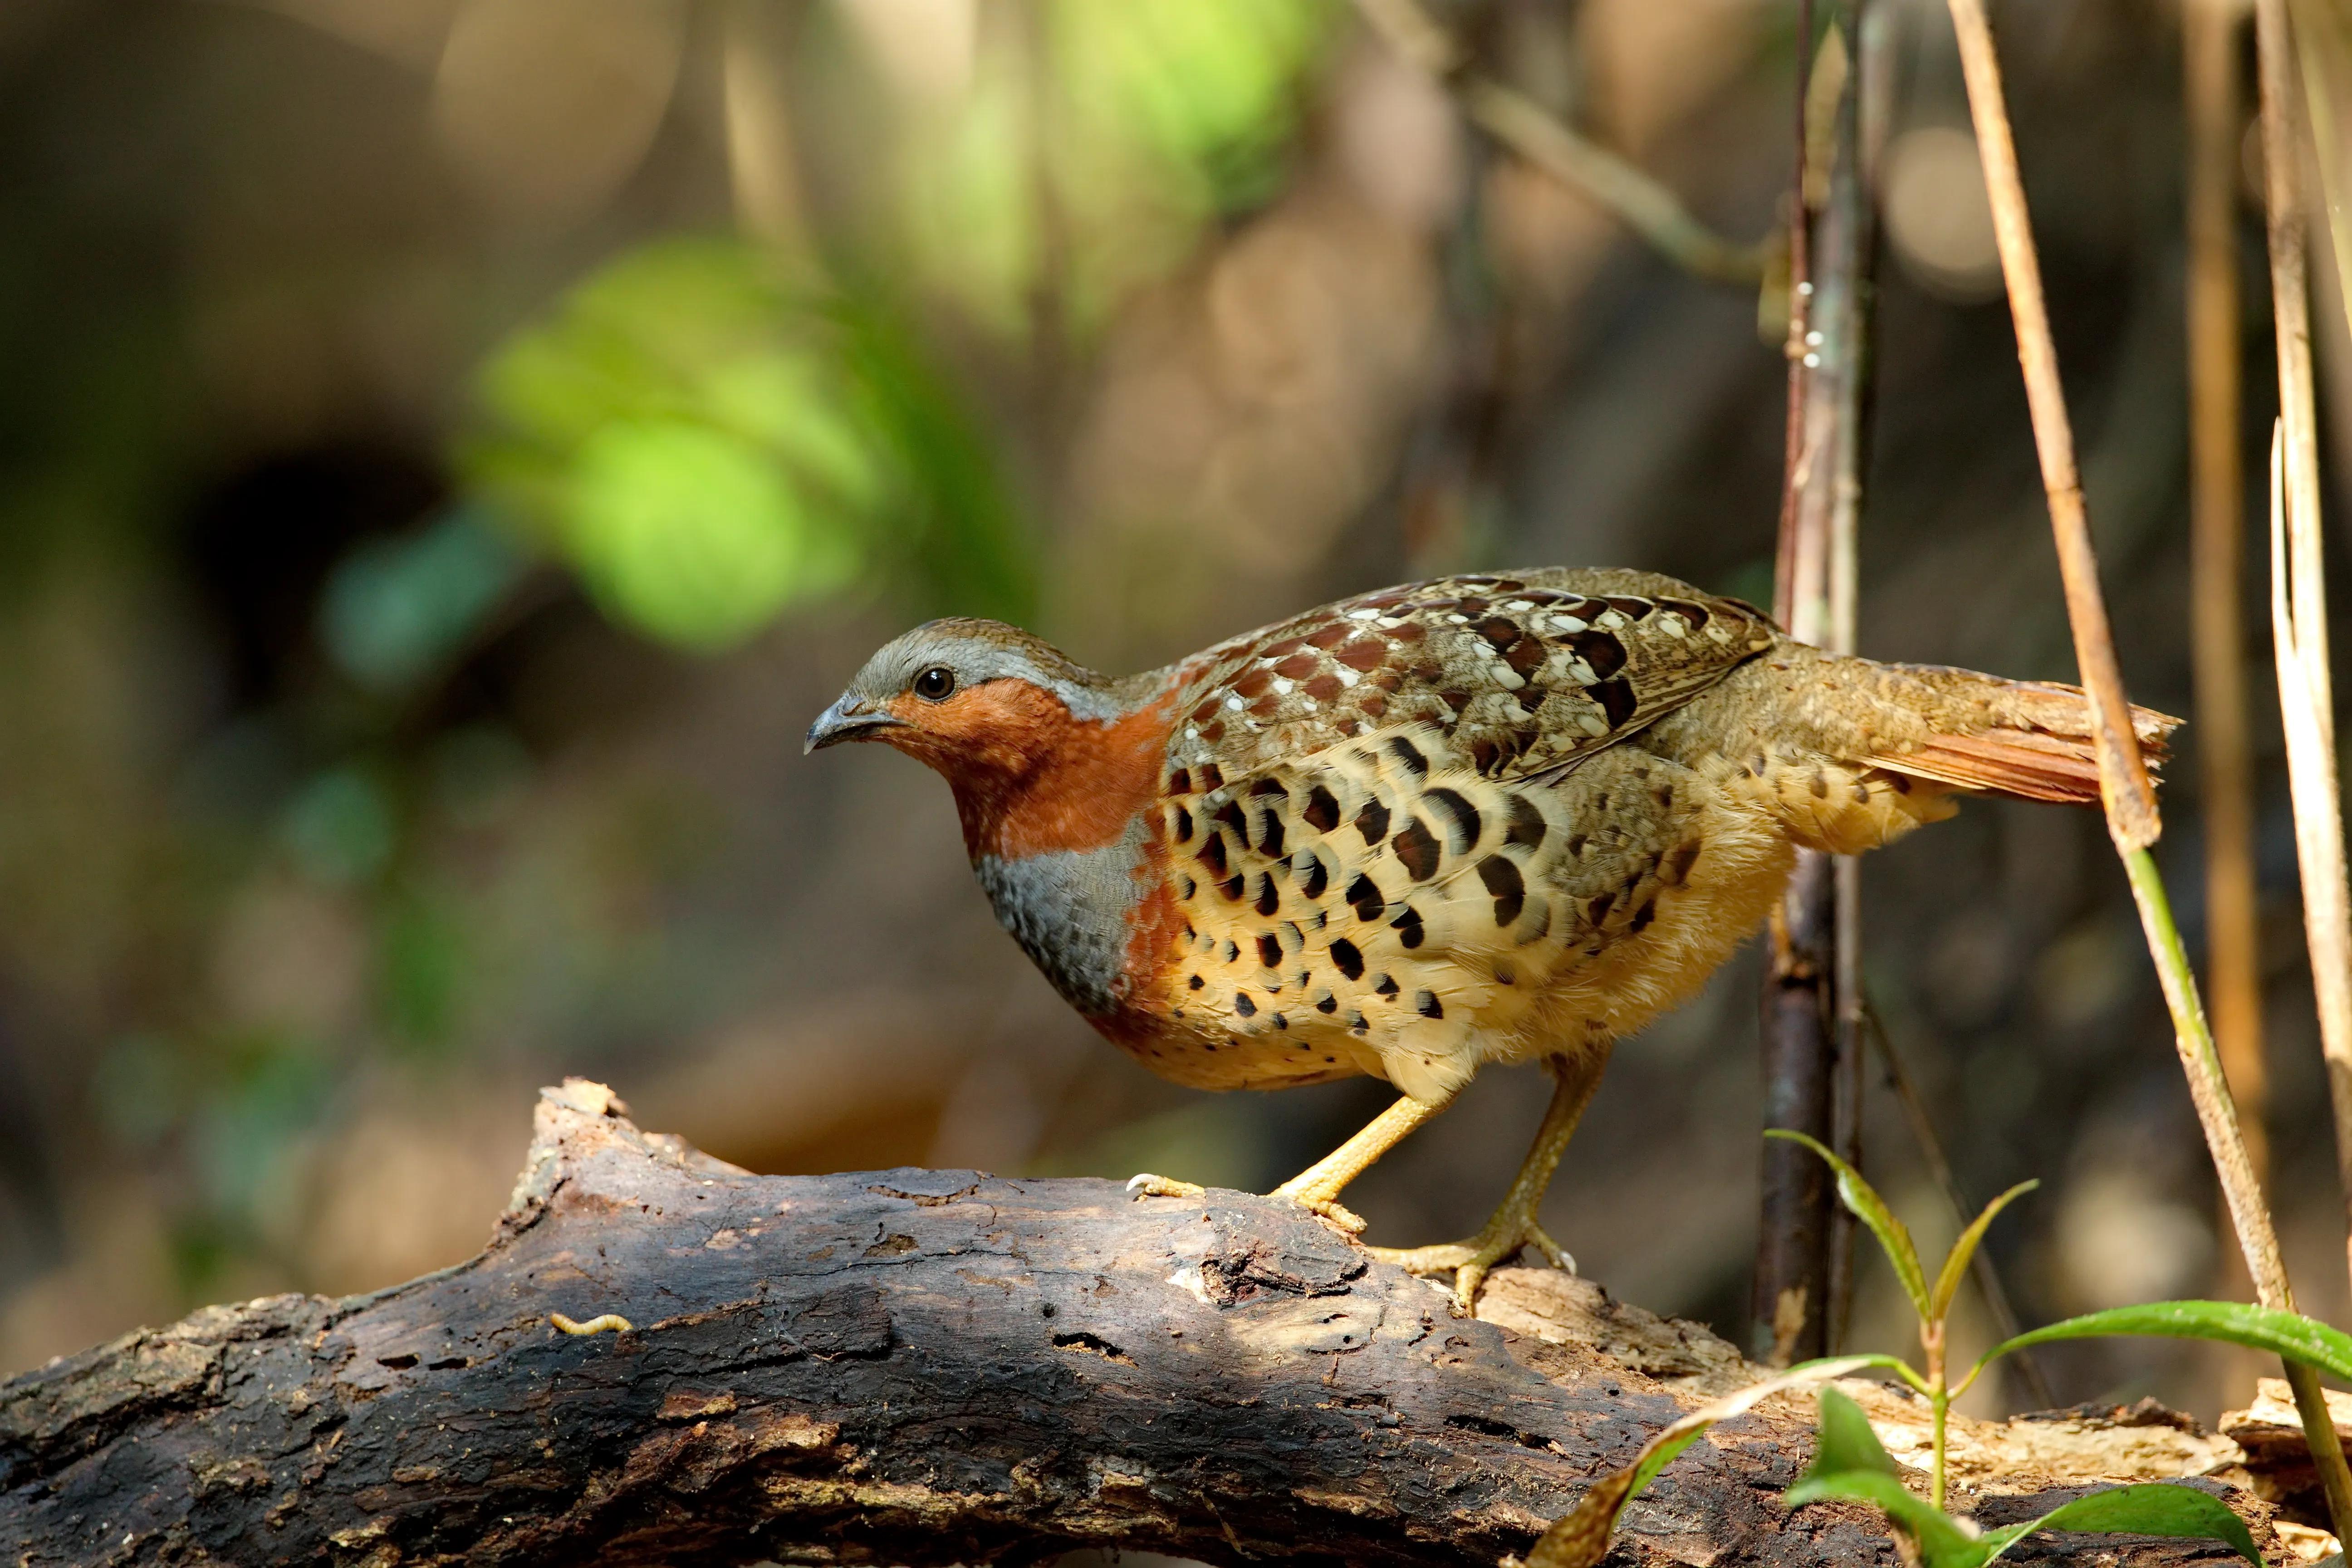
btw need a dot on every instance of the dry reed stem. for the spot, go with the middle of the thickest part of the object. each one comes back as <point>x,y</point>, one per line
<point>2124,784</point>
<point>2119,754</point>
<point>1526,127</point>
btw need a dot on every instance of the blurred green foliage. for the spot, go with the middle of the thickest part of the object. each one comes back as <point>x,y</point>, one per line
<point>707,445</point>
<point>1091,150</point>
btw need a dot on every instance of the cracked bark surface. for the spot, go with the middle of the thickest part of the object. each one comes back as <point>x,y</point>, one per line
<point>915,1367</point>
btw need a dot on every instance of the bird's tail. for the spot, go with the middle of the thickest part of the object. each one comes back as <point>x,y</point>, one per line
<point>2027,740</point>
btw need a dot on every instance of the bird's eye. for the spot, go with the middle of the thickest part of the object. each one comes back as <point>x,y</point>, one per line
<point>935,683</point>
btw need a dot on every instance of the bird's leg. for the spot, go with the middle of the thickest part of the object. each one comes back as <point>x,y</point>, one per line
<point>1317,1187</point>
<point>1513,1225</point>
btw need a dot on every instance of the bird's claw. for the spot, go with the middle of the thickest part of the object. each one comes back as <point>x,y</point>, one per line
<point>1334,1213</point>
<point>1144,1184</point>
<point>1470,1261</point>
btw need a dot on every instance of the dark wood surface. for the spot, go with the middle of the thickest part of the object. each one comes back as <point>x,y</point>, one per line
<point>917,1367</point>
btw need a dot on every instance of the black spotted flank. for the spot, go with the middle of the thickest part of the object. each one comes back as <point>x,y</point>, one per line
<point>1180,826</point>
<point>1427,1004</point>
<point>1269,840</point>
<point>1313,875</point>
<point>1269,898</point>
<point>1373,822</point>
<point>1416,849</point>
<point>1528,826</point>
<point>1268,786</point>
<point>1180,782</point>
<point>1617,701</point>
<point>1269,950</point>
<point>1508,888</point>
<point>1386,985</point>
<point>1322,813</point>
<point>1463,822</point>
<point>1325,1003</point>
<point>1407,926</point>
<point>1643,916</point>
<point>1211,854</point>
<point>1349,957</point>
<point>1366,897</point>
<point>1229,813</point>
<point>1408,753</point>
<point>1230,889</point>
<point>1193,982</point>
<point>1244,1005</point>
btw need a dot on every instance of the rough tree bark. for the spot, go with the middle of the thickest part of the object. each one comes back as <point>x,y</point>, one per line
<point>912,1367</point>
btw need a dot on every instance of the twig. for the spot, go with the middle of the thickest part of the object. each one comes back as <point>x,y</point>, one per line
<point>1517,121</point>
<point>1940,1166</point>
<point>2217,529</point>
<point>2130,797</point>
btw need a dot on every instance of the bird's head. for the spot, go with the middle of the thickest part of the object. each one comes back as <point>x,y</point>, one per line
<point>988,707</point>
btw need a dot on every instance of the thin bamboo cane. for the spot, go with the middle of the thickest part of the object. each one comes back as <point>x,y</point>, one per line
<point>2124,784</point>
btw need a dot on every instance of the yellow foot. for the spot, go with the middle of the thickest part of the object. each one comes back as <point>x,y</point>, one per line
<point>1468,1261</point>
<point>1144,1184</point>
<point>1316,1200</point>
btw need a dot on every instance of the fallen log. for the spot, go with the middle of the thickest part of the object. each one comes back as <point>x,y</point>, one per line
<point>917,1367</point>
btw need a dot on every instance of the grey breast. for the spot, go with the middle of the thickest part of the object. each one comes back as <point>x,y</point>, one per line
<point>1067,909</point>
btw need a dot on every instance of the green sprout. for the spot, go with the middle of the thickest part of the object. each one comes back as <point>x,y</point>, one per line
<point>1851,1465</point>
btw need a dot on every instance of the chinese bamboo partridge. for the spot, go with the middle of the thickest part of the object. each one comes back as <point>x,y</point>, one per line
<point>1483,818</point>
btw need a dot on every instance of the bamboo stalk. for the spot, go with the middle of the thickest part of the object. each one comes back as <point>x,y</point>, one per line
<point>1795,1301</point>
<point>2124,784</point>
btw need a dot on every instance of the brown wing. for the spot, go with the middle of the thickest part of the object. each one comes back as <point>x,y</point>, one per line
<point>1519,672</point>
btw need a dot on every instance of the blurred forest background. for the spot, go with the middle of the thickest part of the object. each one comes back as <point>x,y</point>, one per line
<point>451,449</point>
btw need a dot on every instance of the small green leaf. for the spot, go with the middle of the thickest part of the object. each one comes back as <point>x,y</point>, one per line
<point>1580,1538</point>
<point>1859,1195</point>
<point>2288,1334</point>
<point>1955,1262</point>
<point>2154,1510</point>
<point>1944,1542</point>
<point>1846,1442</point>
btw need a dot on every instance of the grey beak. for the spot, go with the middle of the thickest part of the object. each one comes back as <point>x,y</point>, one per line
<point>847,720</point>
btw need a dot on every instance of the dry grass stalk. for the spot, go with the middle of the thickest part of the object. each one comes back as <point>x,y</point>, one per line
<point>2320,40</point>
<point>2129,796</point>
<point>2298,606</point>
